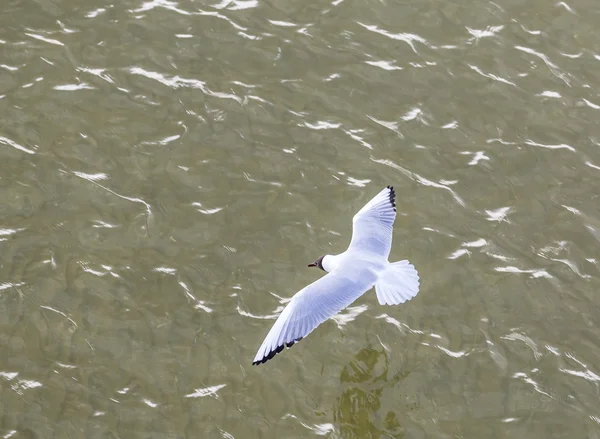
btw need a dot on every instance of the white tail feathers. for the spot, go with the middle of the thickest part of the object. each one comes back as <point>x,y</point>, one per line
<point>397,284</point>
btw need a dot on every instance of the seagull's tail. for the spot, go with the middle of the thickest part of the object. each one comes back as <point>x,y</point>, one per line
<point>397,284</point>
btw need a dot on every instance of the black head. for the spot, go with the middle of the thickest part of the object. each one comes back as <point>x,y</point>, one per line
<point>318,263</point>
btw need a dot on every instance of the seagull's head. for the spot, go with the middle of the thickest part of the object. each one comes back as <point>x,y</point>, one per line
<point>318,263</point>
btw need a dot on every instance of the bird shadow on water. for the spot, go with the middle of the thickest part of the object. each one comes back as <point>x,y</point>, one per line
<point>358,411</point>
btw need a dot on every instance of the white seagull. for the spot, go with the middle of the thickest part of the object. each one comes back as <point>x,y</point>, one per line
<point>350,274</point>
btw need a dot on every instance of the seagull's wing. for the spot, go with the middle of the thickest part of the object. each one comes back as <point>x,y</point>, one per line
<point>372,225</point>
<point>310,307</point>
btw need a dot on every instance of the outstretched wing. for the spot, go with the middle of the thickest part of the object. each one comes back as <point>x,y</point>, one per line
<point>310,307</point>
<point>372,225</point>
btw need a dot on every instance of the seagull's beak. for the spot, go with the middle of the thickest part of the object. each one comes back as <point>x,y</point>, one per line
<point>312,264</point>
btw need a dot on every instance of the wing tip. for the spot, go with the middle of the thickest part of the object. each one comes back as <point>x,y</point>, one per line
<point>392,196</point>
<point>275,351</point>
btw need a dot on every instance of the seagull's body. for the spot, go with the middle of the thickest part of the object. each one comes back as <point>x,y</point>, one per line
<point>350,274</point>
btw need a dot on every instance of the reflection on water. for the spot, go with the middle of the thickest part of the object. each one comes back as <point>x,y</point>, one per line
<point>357,411</point>
<point>168,169</point>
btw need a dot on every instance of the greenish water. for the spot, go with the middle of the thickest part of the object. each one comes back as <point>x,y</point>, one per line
<point>169,168</point>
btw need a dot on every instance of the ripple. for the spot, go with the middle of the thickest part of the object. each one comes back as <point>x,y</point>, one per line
<point>60,313</point>
<point>99,176</point>
<point>566,6</point>
<point>414,114</point>
<point>458,253</point>
<point>491,76</point>
<point>9,142</point>
<point>546,146</point>
<point>259,316</point>
<point>19,385</point>
<point>465,251</point>
<point>164,141</point>
<point>550,252</point>
<point>177,82</point>
<point>515,336</point>
<point>132,199</point>
<point>477,157</point>
<point>8,232</point>
<point>321,125</point>
<point>354,136</point>
<point>421,180</point>
<point>478,243</point>
<point>451,125</point>
<point>198,304</point>
<point>498,215</point>
<point>206,391</point>
<point>149,403</point>
<point>165,270</point>
<point>385,65</point>
<point>44,39</point>
<point>453,354</point>
<point>586,374</point>
<point>8,285</point>
<point>207,211</point>
<point>590,104</point>
<point>348,315</point>
<point>10,68</point>
<point>489,31</point>
<point>102,271</point>
<point>95,13</point>
<point>553,67</point>
<point>403,327</point>
<point>282,23</point>
<point>535,273</point>
<point>550,94</point>
<point>318,429</point>
<point>8,375</point>
<point>591,165</point>
<point>357,182</point>
<point>408,38</point>
<point>73,87</point>
<point>536,386</point>
<point>104,225</point>
<point>390,125</point>
<point>236,5</point>
<point>165,4</point>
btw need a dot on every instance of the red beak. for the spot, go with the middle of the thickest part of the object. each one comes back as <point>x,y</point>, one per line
<point>312,264</point>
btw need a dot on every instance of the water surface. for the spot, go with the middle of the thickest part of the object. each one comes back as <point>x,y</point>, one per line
<point>168,169</point>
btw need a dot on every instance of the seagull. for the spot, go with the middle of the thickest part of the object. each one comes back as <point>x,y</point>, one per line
<point>350,274</point>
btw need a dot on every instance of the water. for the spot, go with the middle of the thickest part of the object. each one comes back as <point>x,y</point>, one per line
<point>169,168</point>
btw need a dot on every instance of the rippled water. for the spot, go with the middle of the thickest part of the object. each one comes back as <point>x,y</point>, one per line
<point>168,169</point>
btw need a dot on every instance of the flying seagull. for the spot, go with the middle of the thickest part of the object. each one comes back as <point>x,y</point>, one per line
<point>350,274</point>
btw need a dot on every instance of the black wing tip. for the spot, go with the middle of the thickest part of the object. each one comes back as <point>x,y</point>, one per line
<point>275,351</point>
<point>392,196</point>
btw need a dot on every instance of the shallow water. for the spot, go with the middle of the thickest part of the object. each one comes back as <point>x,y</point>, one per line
<point>168,169</point>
